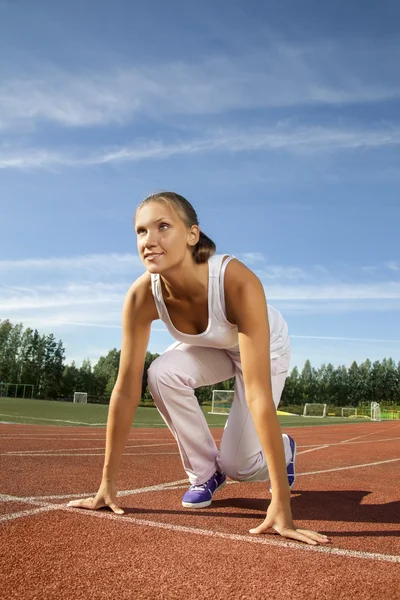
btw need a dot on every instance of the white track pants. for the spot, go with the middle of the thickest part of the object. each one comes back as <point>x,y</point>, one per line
<point>172,378</point>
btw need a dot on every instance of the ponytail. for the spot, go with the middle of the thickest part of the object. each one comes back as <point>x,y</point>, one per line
<point>204,248</point>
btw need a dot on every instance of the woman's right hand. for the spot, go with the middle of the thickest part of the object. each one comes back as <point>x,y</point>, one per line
<point>106,496</point>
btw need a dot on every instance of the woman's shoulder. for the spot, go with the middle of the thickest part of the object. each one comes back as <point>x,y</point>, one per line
<point>139,297</point>
<point>237,274</point>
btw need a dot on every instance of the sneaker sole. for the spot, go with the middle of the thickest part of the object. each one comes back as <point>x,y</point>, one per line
<point>203,504</point>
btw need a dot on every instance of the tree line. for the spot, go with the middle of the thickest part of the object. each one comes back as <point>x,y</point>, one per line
<point>27,357</point>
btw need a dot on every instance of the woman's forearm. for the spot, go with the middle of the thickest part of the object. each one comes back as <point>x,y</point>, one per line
<point>120,417</point>
<point>270,435</point>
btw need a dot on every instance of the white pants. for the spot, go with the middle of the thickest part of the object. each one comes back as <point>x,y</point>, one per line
<point>172,378</point>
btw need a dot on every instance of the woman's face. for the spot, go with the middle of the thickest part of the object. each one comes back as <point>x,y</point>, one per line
<point>163,239</point>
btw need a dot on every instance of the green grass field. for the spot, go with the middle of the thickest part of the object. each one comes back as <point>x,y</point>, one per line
<point>46,412</point>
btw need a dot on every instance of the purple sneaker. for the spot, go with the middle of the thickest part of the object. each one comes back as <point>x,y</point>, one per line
<point>200,496</point>
<point>290,467</point>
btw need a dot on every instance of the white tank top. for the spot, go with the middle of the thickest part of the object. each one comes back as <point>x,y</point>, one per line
<point>220,333</point>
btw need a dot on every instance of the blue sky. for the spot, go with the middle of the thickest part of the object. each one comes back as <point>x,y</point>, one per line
<point>280,122</point>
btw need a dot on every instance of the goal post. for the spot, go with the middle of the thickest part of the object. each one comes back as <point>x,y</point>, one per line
<point>80,397</point>
<point>221,402</point>
<point>313,409</point>
<point>375,411</point>
<point>349,412</point>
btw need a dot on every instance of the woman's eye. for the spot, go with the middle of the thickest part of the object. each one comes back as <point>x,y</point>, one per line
<point>164,226</point>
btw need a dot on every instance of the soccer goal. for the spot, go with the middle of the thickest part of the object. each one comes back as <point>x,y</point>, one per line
<point>349,412</point>
<point>375,411</point>
<point>221,402</point>
<point>312,409</point>
<point>80,397</point>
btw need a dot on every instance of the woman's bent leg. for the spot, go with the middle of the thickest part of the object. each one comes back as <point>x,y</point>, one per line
<point>241,455</point>
<point>172,378</point>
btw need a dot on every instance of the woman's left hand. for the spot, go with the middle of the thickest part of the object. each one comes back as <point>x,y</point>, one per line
<point>279,517</point>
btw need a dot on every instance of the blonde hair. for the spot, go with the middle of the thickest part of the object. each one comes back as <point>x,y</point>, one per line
<point>205,247</point>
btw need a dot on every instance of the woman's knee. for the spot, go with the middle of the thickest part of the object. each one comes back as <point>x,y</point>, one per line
<point>162,370</point>
<point>232,469</point>
<point>251,469</point>
<point>171,372</point>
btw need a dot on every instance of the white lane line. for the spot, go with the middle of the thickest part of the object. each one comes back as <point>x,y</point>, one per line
<point>152,488</point>
<point>71,439</point>
<point>48,451</point>
<point>78,439</point>
<point>174,485</point>
<point>58,450</point>
<point>74,452</point>
<point>27,513</point>
<point>350,443</point>
<point>312,449</point>
<point>251,539</point>
<point>359,437</point>
<point>381,462</point>
<point>50,420</point>
<point>146,454</point>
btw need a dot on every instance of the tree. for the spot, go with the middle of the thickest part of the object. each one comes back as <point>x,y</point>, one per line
<point>106,371</point>
<point>70,380</point>
<point>86,377</point>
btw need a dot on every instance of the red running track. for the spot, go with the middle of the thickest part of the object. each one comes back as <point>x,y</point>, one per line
<point>347,487</point>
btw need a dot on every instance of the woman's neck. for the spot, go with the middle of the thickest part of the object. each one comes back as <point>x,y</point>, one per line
<point>186,282</point>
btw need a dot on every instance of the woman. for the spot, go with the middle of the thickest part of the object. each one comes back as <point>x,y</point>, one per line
<point>215,308</point>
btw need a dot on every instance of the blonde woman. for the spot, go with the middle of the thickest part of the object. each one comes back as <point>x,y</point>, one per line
<point>215,308</point>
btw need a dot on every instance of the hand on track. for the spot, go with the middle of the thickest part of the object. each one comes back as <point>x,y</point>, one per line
<point>106,496</point>
<point>279,518</point>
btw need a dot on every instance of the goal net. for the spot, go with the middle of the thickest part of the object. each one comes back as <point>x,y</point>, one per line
<point>221,402</point>
<point>312,409</point>
<point>80,397</point>
<point>349,412</point>
<point>375,411</point>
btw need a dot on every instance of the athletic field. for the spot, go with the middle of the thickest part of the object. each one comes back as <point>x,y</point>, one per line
<point>46,412</point>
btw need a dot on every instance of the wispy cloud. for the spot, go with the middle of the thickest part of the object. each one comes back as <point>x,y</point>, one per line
<point>285,75</point>
<point>97,294</point>
<point>344,339</point>
<point>339,291</point>
<point>251,258</point>
<point>299,140</point>
<point>88,291</point>
<point>112,263</point>
<point>393,265</point>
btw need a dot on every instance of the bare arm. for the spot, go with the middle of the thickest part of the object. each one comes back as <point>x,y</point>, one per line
<point>138,313</point>
<point>249,311</point>
<point>127,391</point>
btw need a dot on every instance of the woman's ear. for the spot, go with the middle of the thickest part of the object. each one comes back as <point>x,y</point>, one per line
<point>194,235</point>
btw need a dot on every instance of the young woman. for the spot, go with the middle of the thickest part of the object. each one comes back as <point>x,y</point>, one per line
<point>215,308</point>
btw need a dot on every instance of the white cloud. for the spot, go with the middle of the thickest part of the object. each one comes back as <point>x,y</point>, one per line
<point>281,75</point>
<point>97,296</point>
<point>251,258</point>
<point>278,272</point>
<point>343,339</point>
<point>393,265</point>
<point>112,263</point>
<point>45,297</point>
<point>389,290</point>
<point>300,140</point>
<point>87,292</point>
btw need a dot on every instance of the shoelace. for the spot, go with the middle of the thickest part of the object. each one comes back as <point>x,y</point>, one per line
<point>198,488</point>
